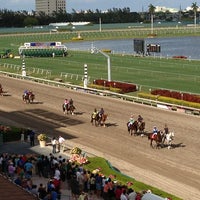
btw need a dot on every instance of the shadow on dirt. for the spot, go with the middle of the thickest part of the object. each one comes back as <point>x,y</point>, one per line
<point>111,124</point>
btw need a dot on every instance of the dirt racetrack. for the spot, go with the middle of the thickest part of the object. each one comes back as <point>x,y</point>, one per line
<point>176,171</point>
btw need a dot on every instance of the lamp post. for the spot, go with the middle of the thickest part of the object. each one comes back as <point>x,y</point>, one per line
<point>100,24</point>
<point>95,50</point>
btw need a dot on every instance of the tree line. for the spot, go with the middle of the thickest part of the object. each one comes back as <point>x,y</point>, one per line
<point>9,18</point>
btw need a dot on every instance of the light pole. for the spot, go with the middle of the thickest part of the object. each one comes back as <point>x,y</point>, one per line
<point>95,50</point>
<point>100,24</point>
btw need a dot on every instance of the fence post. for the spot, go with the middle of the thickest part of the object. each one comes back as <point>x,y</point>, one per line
<point>85,76</point>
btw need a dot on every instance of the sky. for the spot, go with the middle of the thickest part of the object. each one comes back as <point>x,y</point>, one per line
<point>134,5</point>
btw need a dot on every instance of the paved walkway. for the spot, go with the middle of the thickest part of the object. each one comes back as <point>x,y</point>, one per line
<point>25,148</point>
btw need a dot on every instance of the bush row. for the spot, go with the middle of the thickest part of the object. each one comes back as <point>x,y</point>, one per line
<point>177,95</point>
<point>169,100</point>
<point>124,87</point>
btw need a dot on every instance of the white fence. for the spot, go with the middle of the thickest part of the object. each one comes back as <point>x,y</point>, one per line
<point>161,105</point>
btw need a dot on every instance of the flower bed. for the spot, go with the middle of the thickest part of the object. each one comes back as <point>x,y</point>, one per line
<point>177,95</point>
<point>125,87</point>
<point>179,57</point>
<point>77,157</point>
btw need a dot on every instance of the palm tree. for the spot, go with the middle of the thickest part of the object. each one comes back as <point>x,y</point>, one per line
<point>151,11</point>
<point>194,8</point>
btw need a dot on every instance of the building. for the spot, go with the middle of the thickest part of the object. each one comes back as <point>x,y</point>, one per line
<point>50,6</point>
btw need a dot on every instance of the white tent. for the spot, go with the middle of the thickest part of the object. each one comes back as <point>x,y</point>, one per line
<point>150,196</point>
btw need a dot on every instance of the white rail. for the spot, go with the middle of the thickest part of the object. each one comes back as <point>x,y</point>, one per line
<point>149,102</point>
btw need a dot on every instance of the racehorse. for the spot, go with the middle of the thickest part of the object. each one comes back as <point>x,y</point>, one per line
<point>156,138</point>
<point>168,138</point>
<point>28,98</point>
<point>100,120</point>
<point>141,127</point>
<point>68,108</point>
<point>132,128</point>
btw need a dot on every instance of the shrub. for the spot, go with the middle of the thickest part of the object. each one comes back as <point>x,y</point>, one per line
<point>42,137</point>
<point>125,87</point>
<point>10,133</point>
<point>177,95</point>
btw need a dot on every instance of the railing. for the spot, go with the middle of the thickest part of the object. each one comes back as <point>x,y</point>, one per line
<point>134,99</point>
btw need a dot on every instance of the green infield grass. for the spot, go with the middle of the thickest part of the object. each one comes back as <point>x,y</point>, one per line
<point>147,72</point>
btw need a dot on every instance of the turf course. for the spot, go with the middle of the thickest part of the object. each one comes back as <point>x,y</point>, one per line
<point>146,72</point>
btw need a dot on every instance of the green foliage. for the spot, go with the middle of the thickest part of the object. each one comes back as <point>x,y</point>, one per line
<point>107,169</point>
<point>76,150</point>
<point>30,21</point>
<point>11,134</point>
<point>42,137</point>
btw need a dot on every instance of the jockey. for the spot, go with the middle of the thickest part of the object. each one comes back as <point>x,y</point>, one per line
<point>70,102</point>
<point>26,92</point>
<point>140,120</point>
<point>155,131</point>
<point>101,112</point>
<point>66,101</point>
<point>131,121</point>
<point>94,113</point>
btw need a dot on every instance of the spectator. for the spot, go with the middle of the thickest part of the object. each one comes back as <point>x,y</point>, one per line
<point>42,191</point>
<point>123,195</point>
<point>28,166</point>
<point>118,192</point>
<point>131,194</point>
<point>61,140</point>
<point>34,190</point>
<point>32,138</point>
<point>54,142</point>
<point>11,170</point>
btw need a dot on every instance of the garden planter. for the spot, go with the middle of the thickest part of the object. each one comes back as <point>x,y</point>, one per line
<point>42,143</point>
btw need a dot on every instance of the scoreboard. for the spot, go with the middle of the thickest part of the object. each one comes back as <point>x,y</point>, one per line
<point>138,45</point>
<point>153,48</point>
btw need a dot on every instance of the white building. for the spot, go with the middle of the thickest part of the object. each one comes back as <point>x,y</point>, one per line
<point>164,9</point>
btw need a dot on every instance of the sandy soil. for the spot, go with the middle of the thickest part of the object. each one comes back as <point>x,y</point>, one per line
<point>176,171</point>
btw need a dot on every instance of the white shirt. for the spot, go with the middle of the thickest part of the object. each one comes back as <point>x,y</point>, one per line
<point>123,197</point>
<point>57,174</point>
<point>61,140</point>
<point>53,142</point>
<point>132,196</point>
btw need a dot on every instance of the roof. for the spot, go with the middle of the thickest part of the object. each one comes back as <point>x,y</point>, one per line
<point>11,191</point>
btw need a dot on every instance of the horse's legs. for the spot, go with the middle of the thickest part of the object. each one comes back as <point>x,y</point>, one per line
<point>151,143</point>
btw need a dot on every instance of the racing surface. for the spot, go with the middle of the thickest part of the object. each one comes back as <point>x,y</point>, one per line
<point>176,170</point>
